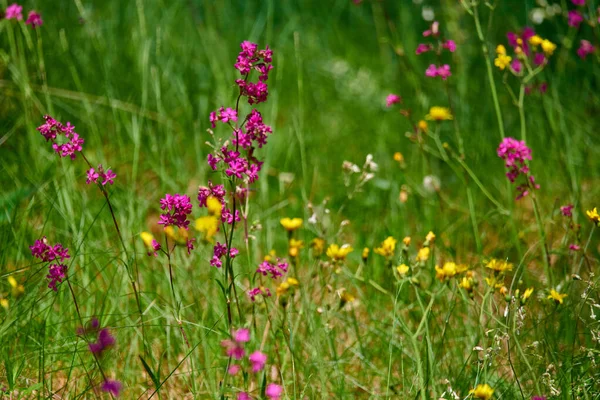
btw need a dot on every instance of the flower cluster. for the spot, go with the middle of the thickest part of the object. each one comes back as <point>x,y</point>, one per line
<point>440,45</point>
<point>219,251</point>
<point>275,267</point>
<point>250,58</point>
<point>177,207</point>
<point>100,175</point>
<point>585,48</point>
<point>52,129</point>
<point>15,11</point>
<point>56,255</point>
<point>257,291</point>
<point>515,154</point>
<point>529,49</point>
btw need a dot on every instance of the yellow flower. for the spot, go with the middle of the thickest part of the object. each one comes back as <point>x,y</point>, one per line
<point>526,295</point>
<point>500,49</point>
<point>466,283</point>
<point>209,225</point>
<point>406,241</point>
<point>387,248</point>
<point>449,270</point>
<point>180,235</point>
<point>4,303</point>
<point>338,253</point>
<point>398,157</point>
<point>346,297</point>
<point>271,257</point>
<point>294,247</point>
<point>293,282</point>
<point>492,282</point>
<point>282,288</point>
<point>423,254</point>
<point>147,238</point>
<point>499,266</point>
<point>430,237</point>
<point>535,40</point>
<point>593,216</point>
<point>482,391</point>
<point>422,126</point>
<point>557,297</point>
<point>17,289</point>
<point>439,114</point>
<point>214,206</point>
<point>403,269</point>
<point>548,47</point>
<point>365,254</point>
<point>318,246</point>
<point>291,224</point>
<point>502,61</point>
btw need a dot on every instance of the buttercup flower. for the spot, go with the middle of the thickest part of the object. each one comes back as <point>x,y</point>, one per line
<point>291,224</point>
<point>556,296</point>
<point>593,216</point>
<point>403,269</point>
<point>337,253</point>
<point>482,391</point>
<point>439,114</point>
<point>528,292</point>
<point>499,266</point>
<point>502,61</point>
<point>387,248</point>
<point>423,254</point>
<point>548,47</point>
<point>318,246</point>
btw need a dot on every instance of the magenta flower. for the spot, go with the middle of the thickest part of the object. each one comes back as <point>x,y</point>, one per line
<point>250,58</point>
<point>235,347</point>
<point>392,99</point>
<point>575,18</point>
<point>234,369</point>
<point>273,391</point>
<point>14,11</point>
<point>34,19</point>
<point>242,335</point>
<point>431,71</point>
<point>111,386</point>
<point>539,59</point>
<point>574,247</point>
<point>515,155</point>
<point>104,341</point>
<point>444,71</point>
<point>517,66</point>
<point>543,87</point>
<point>585,48</point>
<point>42,250</point>
<point>450,45</point>
<point>52,129</point>
<point>244,395</point>
<point>254,293</point>
<point>94,175</point>
<point>178,207</point>
<point>434,30</point>
<point>275,269</point>
<point>524,36</point>
<point>258,361</point>
<point>423,48</point>
<point>544,397</point>
<point>567,210</point>
<point>225,115</point>
<point>56,274</point>
<point>578,2</point>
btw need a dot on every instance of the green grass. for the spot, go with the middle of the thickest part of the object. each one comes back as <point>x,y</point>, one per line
<point>139,78</point>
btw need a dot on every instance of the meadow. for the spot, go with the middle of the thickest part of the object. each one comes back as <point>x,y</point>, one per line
<point>299,200</point>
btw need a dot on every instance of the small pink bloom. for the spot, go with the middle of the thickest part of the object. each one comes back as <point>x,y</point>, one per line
<point>575,18</point>
<point>574,247</point>
<point>539,59</point>
<point>109,176</point>
<point>34,19</point>
<point>543,87</point>
<point>243,396</point>
<point>92,176</point>
<point>434,30</point>
<point>14,11</point>
<point>423,48</point>
<point>444,71</point>
<point>273,391</point>
<point>450,45</point>
<point>392,99</point>
<point>431,71</point>
<point>113,387</point>
<point>517,66</point>
<point>242,335</point>
<point>578,2</point>
<point>234,369</point>
<point>585,48</point>
<point>567,210</point>
<point>258,361</point>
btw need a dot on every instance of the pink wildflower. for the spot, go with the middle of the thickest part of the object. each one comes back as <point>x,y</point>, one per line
<point>273,391</point>
<point>431,71</point>
<point>113,387</point>
<point>444,71</point>
<point>258,361</point>
<point>253,293</point>
<point>567,210</point>
<point>34,19</point>
<point>516,66</point>
<point>515,155</point>
<point>275,269</point>
<point>42,250</point>
<point>56,274</point>
<point>578,2</point>
<point>244,395</point>
<point>575,18</point>
<point>450,45</point>
<point>234,369</point>
<point>423,48</point>
<point>539,59</point>
<point>104,341</point>
<point>392,99</point>
<point>52,129</point>
<point>235,347</point>
<point>177,208</point>
<point>585,48</point>
<point>574,247</point>
<point>105,177</point>
<point>14,11</point>
<point>434,30</point>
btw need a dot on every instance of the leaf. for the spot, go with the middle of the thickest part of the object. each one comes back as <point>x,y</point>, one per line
<point>154,378</point>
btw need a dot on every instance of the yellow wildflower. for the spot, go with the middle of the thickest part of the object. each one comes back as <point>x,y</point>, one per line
<point>439,114</point>
<point>535,40</point>
<point>180,235</point>
<point>147,238</point>
<point>430,237</point>
<point>4,303</point>
<point>492,282</point>
<point>294,247</point>
<point>318,246</point>
<point>423,254</point>
<point>271,257</point>
<point>214,206</point>
<point>503,290</point>
<point>548,47</point>
<point>346,297</point>
<point>500,49</point>
<point>482,391</point>
<point>556,296</point>
<point>387,248</point>
<point>406,241</point>
<point>17,289</point>
<point>398,157</point>
<point>466,283</point>
<point>293,282</point>
<point>422,125</point>
<point>526,295</point>
<point>282,288</point>
<point>403,269</point>
<point>209,225</point>
<point>499,266</point>
<point>593,216</point>
<point>365,254</point>
<point>338,253</point>
<point>449,270</point>
<point>502,61</point>
<point>291,224</point>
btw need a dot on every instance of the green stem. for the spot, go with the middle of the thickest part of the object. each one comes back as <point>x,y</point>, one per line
<point>542,239</point>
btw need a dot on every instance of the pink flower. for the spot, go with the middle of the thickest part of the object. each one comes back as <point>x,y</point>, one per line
<point>434,30</point>
<point>515,155</point>
<point>100,175</point>
<point>444,71</point>
<point>34,19</point>
<point>244,395</point>
<point>431,71</point>
<point>543,87</point>
<point>253,293</point>
<point>567,210</point>
<point>575,18</point>
<point>450,45</point>
<point>273,391</point>
<point>51,129</point>
<point>585,48</point>
<point>578,2</point>
<point>574,247</point>
<point>258,361</point>
<point>517,66</point>
<point>46,253</point>
<point>423,48</point>
<point>539,59</point>
<point>104,341</point>
<point>92,176</point>
<point>242,335</point>
<point>14,11</point>
<point>392,99</point>
<point>113,387</point>
<point>235,348</point>
<point>56,274</point>
<point>177,208</point>
<point>234,369</point>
